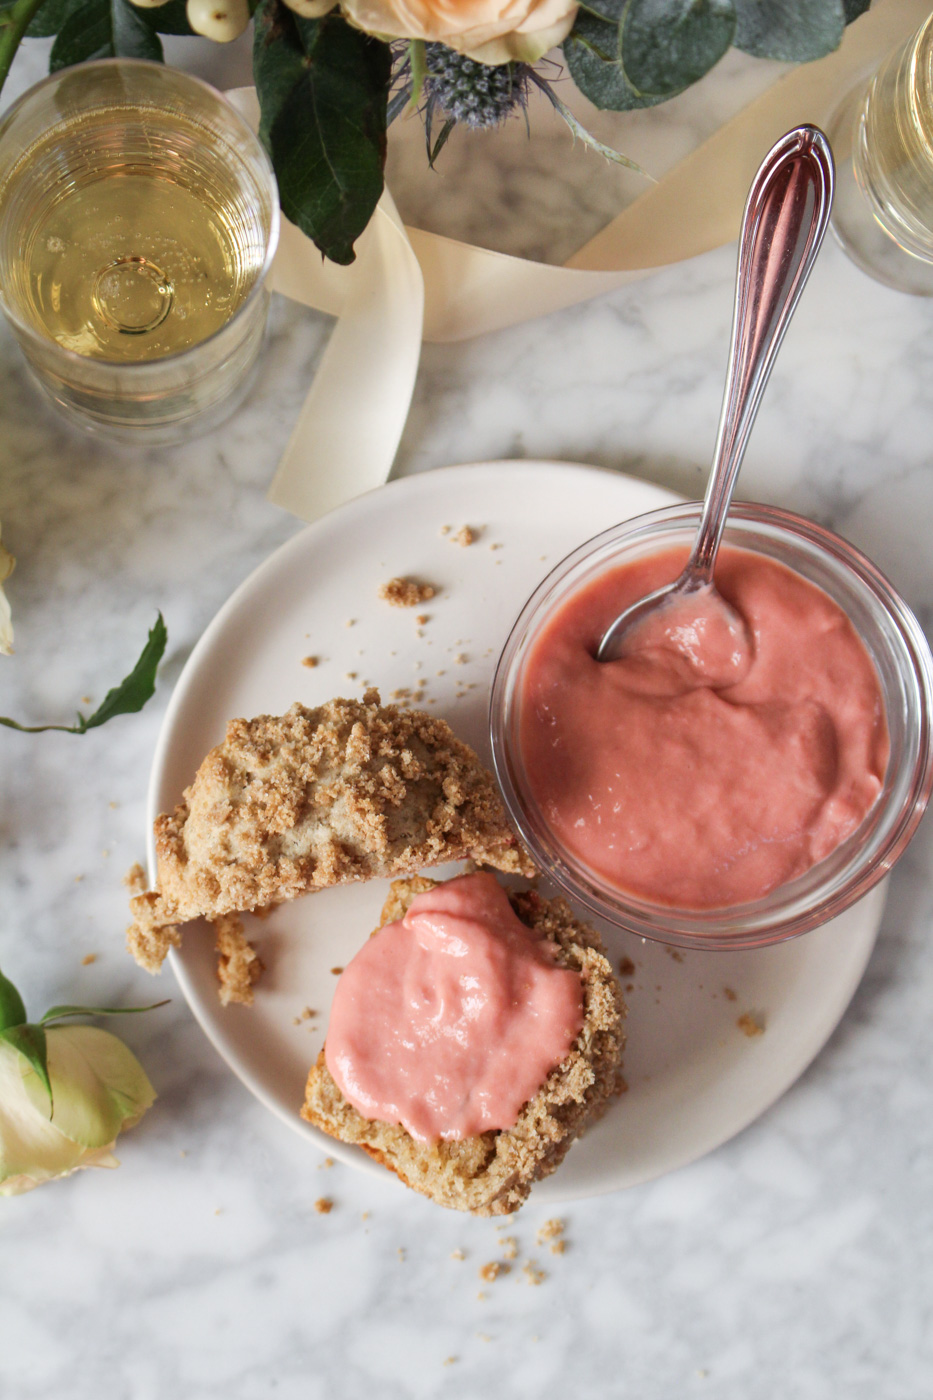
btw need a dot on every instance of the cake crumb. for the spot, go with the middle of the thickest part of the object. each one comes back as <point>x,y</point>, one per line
<point>460,659</point>
<point>509,1247</point>
<point>481,1297</point>
<point>558,1246</point>
<point>457,1254</point>
<point>533,1274</point>
<point>550,1230</point>
<point>445,529</point>
<point>327,1162</point>
<point>422,618</point>
<point>626,967</point>
<point>365,1215</point>
<point>729,994</point>
<point>464,536</point>
<point>336,971</point>
<point>88,959</point>
<point>495,546</point>
<point>450,1361</point>
<point>750,1024</point>
<point>675,954</point>
<point>323,1205</point>
<point>401,1254</point>
<point>309,661</point>
<point>405,592</point>
<point>491,1271</point>
<point>350,622</point>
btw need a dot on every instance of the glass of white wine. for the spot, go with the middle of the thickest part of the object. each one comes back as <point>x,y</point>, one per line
<point>138,220</point>
<point>882,136</point>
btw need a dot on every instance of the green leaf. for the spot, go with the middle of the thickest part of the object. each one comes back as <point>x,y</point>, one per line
<point>593,50</point>
<point>103,29</point>
<point>171,18</point>
<point>31,1043</point>
<point>125,699</point>
<point>668,44</point>
<point>59,1013</point>
<point>794,31</point>
<point>49,19</point>
<point>323,89</point>
<point>12,1010</point>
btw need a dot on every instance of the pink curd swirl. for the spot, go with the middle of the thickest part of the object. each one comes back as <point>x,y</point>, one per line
<point>692,774</point>
<point>451,1019</point>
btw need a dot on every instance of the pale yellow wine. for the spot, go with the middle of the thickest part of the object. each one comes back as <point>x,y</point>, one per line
<point>131,254</point>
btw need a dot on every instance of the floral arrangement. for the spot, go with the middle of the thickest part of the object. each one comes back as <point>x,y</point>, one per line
<point>331,75</point>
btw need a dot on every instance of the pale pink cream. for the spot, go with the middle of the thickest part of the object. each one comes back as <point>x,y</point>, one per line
<point>705,769</point>
<point>451,1019</point>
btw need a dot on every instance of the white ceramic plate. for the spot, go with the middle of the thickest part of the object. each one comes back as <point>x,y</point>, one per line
<point>695,1079</point>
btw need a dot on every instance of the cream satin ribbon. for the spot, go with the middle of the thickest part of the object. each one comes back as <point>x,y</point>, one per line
<point>408,285</point>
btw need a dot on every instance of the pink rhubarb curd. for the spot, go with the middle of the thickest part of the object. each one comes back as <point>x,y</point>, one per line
<point>450,1020</point>
<point>705,768</point>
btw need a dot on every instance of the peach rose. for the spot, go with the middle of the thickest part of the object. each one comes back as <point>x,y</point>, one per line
<point>491,31</point>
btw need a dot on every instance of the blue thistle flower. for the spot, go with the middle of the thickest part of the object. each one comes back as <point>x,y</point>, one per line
<point>473,94</point>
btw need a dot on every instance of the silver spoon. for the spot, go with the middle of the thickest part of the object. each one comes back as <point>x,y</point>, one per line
<point>785,218</point>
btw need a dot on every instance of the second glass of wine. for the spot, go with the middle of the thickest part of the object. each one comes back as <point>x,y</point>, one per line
<point>138,221</point>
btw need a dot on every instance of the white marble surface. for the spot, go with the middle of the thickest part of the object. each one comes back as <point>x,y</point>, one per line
<point>795,1261</point>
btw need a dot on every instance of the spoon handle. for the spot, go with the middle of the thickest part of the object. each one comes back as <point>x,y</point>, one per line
<point>786,216</point>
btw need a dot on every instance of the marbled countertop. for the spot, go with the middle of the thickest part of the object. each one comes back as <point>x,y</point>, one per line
<point>795,1261</point>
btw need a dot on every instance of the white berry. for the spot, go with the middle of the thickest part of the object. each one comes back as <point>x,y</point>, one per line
<point>220,20</point>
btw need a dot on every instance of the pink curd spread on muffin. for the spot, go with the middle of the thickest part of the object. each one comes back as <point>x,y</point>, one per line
<point>449,1020</point>
<point>703,770</point>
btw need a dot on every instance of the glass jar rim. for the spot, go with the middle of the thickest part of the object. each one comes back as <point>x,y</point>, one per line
<point>777,916</point>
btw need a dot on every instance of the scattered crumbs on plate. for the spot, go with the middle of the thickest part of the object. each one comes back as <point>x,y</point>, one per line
<point>491,1271</point>
<point>457,1254</point>
<point>533,1274</point>
<point>323,1205</point>
<point>406,592</point>
<point>495,546</point>
<point>461,659</point>
<point>219,1210</point>
<point>88,959</point>
<point>183,1152</point>
<point>105,854</point>
<point>626,967</point>
<point>422,619</point>
<point>481,1297</point>
<point>450,1361</point>
<point>113,806</point>
<point>674,953</point>
<point>630,987</point>
<point>401,1254</point>
<point>550,1230</point>
<point>751,1024</point>
<point>327,1162</point>
<point>484,1336</point>
<point>509,1246</point>
<point>336,971</point>
<point>464,536</point>
<point>305,1015</point>
<point>310,661</point>
<point>729,994</point>
<point>445,529</point>
<point>440,673</point>
<point>350,622</point>
<point>78,879</point>
<point>350,675</point>
<point>365,1215</point>
<point>85,699</point>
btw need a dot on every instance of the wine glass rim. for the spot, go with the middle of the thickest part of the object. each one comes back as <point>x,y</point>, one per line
<point>174,357</point>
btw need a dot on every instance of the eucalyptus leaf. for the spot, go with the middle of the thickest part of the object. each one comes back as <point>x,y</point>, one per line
<point>794,31</point>
<point>103,29</point>
<point>668,44</point>
<point>31,1042</point>
<point>127,698</point>
<point>59,1013</point>
<point>323,90</point>
<point>594,58</point>
<point>12,1009</point>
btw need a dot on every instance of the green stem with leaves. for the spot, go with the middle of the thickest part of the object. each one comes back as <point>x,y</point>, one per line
<point>13,25</point>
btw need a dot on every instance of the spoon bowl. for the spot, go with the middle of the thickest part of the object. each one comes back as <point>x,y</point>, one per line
<point>786,216</point>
